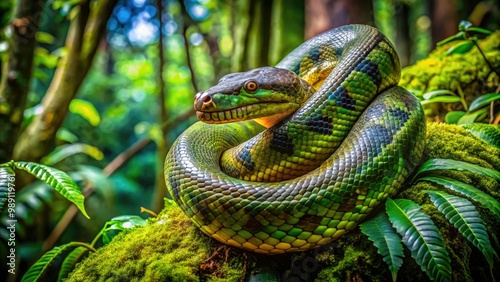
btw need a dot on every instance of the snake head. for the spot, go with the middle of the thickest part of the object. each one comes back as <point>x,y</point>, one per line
<point>266,94</point>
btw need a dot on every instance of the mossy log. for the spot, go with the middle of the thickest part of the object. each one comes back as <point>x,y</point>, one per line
<point>170,248</point>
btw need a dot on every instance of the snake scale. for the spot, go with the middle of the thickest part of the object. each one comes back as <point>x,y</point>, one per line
<point>341,137</point>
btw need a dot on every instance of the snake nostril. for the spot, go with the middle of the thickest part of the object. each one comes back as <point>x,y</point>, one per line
<point>207,99</point>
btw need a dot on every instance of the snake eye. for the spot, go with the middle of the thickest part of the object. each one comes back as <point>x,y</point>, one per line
<point>251,86</point>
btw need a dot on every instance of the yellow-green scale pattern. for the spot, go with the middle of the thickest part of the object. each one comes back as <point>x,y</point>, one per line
<point>306,139</point>
<point>376,144</point>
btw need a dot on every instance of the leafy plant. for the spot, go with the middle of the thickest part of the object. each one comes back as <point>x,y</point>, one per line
<point>55,178</point>
<point>421,237</point>
<point>405,221</point>
<point>379,230</point>
<point>464,216</point>
<point>39,270</point>
<point>480,107</point>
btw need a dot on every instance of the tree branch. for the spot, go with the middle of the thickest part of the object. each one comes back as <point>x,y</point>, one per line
<point>86,30</point>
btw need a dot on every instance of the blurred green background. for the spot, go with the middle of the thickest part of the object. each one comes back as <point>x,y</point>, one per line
<point>100,89</point>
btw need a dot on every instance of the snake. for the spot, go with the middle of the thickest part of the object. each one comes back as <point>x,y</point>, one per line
<point>292,157</point>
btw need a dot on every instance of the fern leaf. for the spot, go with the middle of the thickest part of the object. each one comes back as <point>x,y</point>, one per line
<point>488,132</point>
<point>469,191</point>
<point>421,237</point>
<point>6,184</point>
<point>70,261</point>
<point>38,270</point>
<point>464,216</point>
<point>387,241</point>
<point>58,180</point>
<point>442,164</point>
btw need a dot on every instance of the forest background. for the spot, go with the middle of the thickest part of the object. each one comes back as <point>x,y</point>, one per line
<point>101,89</point>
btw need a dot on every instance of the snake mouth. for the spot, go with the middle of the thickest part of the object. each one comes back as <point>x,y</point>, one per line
<point>246,112</point>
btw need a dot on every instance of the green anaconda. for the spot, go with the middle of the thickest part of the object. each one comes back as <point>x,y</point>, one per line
<point>342,137</point>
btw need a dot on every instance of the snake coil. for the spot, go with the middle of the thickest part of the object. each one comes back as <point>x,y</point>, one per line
<point>318,172</point>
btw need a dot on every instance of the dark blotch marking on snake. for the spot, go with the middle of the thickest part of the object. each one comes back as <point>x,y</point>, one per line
<point>320,124</point>
<point>245,158</point>
<point>280,141</point>
<point>342,99</point>
<point>371,69</point>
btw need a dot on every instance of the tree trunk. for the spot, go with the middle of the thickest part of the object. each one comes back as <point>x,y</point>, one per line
<point>444,19</point>
<point>322,15</point>
<point>160,191</point>
<point>17,69</point>
<point>84,36</point>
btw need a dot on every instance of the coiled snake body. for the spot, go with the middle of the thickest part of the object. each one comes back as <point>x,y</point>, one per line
<point>342,137</point>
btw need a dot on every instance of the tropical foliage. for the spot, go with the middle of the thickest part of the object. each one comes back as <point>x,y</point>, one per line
<point>417,230</point>
<point>93,92</point>
<point>483,108</point>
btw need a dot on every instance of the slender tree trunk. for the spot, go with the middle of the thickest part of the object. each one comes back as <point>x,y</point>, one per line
<point>444,19</point>
<point>287,28</point>
<point>84,36</point>
<point>252,34</point>
<point>17,69</point>
<point>160,191</point>
<point>322,15</point>
<point>403,40</point>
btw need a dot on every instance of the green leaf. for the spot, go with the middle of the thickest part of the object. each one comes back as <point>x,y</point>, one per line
<point>387,241</point>
<point>70,261</point>
<point>6,183</point>
<point>471,117</point>
<point>429,95</point>
<point>67,150</point>
<point>467,190</point>
<point>125,222</point>
<point>86,110</point>
<point>453,116</point>
<point>421,237</point>
<point>464,216</point>
<point>464,25</point>
<point>483,100</point>
<point>105,238</point>
<point>480,30</point>
<point>120,223</point>
<point>44,37</point>
<point>38,270</point>
<point>95,175</point>
<point>31,200</point>
<point>456,37</point>
<point>460,48</point>
<point>441,99</point>
<point>65,135</point>
<point>44,58</point>
<point>488,132</point>
<point>443,164</point>
<point>58,180</point>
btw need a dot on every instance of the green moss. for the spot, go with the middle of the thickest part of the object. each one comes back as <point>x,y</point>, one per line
<point>452,71</point>
<point>171,249</point>
<point>467,73</point>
